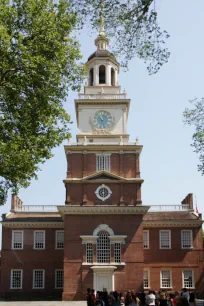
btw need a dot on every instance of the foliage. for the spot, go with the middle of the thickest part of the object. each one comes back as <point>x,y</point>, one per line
<point>195,117</point>
<point>38,63</point>
<point>132,26</point>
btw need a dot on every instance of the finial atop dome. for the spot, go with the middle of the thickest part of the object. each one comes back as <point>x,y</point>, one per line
<point>102,29</point>
<point>102,41</point>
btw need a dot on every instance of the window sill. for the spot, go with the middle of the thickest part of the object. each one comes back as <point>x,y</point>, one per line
<point>165,248</point>
<point>103,264</point>
<point>166,288</point>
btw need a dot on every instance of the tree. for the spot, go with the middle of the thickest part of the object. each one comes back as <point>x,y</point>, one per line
<point>195,117</point>
<point>38,63</point>
<point>132,26</point>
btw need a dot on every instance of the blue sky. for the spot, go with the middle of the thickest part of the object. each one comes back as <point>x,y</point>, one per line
<point>168,163</point>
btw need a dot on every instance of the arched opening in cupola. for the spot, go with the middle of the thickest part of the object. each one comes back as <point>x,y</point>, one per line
<point>91,72</point>
<point>102,74</point>
<point>112,77</point>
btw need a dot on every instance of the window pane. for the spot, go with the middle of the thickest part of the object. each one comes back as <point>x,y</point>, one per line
<point>188,279</point>
<point>165,239</point>
<point>165,279</point>
<point>146,239</point>
<point>16,279</point>
<point>39,240</point>
<point>17,240</point>
<point>89,252</point>
<point>60,240</point>
<point>186,239</point>
<point>59,278</point>
<point>103,162</point>
<point>38,279</point>
<point>146,279</point>
<point>117,252</point>
<point>103,247</point>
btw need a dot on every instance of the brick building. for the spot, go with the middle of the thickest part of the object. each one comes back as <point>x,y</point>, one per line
<point>103,237</point>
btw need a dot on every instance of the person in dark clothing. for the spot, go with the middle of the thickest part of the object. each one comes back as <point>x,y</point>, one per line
<point>163,300</point>
<point>89,298</point>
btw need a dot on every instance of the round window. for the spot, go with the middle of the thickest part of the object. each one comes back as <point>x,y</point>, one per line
<point>103,192</point>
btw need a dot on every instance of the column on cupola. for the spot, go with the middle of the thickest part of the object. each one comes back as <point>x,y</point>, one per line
<point>138,194</point>
<point>96,75</point>
<point>108,75</point>
<point>116,77</point>
<point>124,120</point>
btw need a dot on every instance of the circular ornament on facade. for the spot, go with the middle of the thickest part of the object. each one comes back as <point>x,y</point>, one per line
<point>103,192</point>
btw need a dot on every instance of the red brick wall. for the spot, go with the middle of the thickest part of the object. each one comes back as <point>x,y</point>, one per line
<point>29,259</point>
<point>175,259</point>
<point>77,278</point>
<point>126,165</point>
<point>130,192</point>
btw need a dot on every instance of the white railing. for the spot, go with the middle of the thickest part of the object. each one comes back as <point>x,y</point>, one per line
<point>53,208</point>
<point>101,96</point>
<point>163,208</point>
<point>37,208</point>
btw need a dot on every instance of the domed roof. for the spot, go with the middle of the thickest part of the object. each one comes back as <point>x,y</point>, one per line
<point>102,53</point>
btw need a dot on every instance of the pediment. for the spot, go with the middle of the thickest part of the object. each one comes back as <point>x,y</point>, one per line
<point>103,175</point>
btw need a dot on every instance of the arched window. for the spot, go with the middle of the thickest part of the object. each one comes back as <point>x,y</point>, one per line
<point>103,247</point>
<point>102,74</point>
<point>112,77</point>
<point>91,77</point>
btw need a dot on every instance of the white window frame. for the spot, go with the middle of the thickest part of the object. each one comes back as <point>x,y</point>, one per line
<point>56,278</point>
<point>37,231</point>
<point>148,273</point>
<point>117,252</point>
<point>56,233</point>
<point>97,163</point>
<point>11,280</point>
<point>89,259</point>
<point>160,245</point>
<point>170,279</point>
<point>191,235</point>
<point>193,282</point>
<point>43,279</point>
<point>146,231</point>
<point>12,244</point>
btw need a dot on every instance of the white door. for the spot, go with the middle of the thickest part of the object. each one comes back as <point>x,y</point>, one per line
<point>104,282</point>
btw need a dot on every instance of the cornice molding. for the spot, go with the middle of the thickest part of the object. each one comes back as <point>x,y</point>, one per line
<point>28,224</point>
<point>116,148</point>
<point>105,210</point>
<point>172,223</point>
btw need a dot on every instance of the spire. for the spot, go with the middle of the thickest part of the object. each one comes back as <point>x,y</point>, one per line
<point>101,41</point>
<point>102,30</point>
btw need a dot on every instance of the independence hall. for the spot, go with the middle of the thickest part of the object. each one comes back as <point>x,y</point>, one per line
<point>103,237</point>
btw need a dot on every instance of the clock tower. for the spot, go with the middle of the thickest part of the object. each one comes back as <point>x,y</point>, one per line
<point>103,212</point>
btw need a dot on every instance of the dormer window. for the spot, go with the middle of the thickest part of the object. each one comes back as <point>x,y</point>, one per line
<point>103,162</point>
<point>91,77</point>
<point>102,74</point>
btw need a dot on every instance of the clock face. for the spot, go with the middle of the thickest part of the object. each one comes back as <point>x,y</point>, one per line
<point>102,119</point>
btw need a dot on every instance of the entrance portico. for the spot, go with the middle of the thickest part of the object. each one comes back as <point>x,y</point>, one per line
<point>103,279</point>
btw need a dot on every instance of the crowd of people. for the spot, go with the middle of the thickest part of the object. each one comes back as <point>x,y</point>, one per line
<point>131,298</point>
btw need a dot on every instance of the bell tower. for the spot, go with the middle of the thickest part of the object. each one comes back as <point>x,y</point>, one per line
<point>103,185</point>
<point>102,109</point>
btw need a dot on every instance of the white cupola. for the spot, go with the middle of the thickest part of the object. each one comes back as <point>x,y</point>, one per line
<point>102,65</point>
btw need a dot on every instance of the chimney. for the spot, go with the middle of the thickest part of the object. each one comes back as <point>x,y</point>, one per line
<point>188,200</point>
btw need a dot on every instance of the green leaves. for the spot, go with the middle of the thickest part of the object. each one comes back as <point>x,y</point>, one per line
<point>39,62</point>
<point>195,117</point>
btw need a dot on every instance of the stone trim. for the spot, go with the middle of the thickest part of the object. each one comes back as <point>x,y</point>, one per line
<point>172,223</point>
<point>88,239</point>
<point>98,210</point>
<point>88,181</point>
<point>103,264</point>
<point>28,224</point>
<point>117,239</point>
